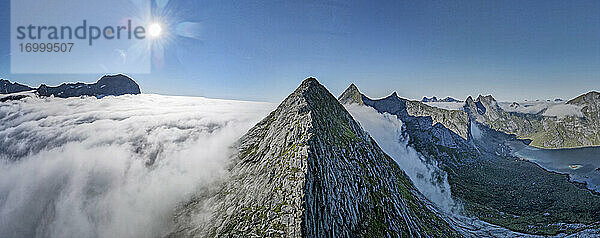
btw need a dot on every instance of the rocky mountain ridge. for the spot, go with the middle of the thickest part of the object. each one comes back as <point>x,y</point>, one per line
<point>494,185</point>
<point>309,170</point>
<point>454,120</point>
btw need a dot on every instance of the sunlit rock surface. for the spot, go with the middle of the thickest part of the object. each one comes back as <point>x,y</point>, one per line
<point>309,170</point>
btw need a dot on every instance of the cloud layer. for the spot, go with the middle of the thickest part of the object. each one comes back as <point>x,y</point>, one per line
<point>550,109</point>
<point>115,167</point>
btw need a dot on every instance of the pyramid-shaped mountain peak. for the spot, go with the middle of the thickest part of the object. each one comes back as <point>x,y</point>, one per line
<point>310,89</point>
<point>313,104</point>
<point>309,170</point>
<point>351,96</point>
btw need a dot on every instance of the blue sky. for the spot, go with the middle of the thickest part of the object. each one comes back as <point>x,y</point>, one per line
<point>261,50</point>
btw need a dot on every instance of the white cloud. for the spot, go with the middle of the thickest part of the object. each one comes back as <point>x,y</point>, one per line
<point>551,109</point>
<point>386,129</point>
<point>476,131</point>
<point>82,167</point>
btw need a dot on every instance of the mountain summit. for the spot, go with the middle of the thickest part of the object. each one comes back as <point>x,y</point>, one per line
<point>351,95</point>
<point>309,170</point>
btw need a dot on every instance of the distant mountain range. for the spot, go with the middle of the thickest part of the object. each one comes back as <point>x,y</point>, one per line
<point>547,124</point>
<point>543,130</point>
<point>435,99</point>
<point>564,125</point>
<point>470,145</point>
<point>114,85</point>
<point>309,169</point>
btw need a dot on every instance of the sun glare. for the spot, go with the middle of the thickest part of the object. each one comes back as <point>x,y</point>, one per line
<point>154,30</point>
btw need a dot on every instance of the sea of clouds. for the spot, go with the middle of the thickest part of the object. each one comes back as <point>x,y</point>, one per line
<point>111,167</point>
<point>120,166</point>
<point>550,109</point>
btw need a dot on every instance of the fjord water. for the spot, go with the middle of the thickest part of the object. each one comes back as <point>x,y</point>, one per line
<point>580,163</point>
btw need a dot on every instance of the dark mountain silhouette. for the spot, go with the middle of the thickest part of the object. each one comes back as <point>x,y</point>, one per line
<point>8,87</point>
<point>114,85</point>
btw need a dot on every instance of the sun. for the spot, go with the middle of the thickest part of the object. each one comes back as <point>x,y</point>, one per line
<point>154,30</point>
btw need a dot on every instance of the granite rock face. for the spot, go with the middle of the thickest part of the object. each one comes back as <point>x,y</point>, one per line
<point>114,85</point>
<point>309,170</point>
<point>8,87</point>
